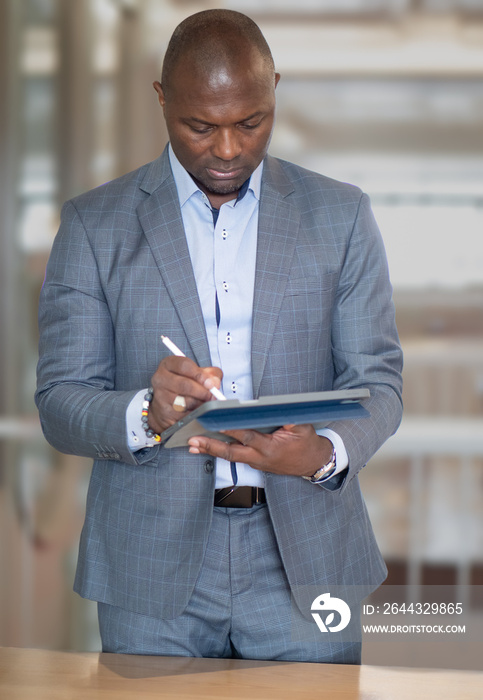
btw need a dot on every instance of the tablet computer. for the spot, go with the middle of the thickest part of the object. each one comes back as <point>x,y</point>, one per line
<point>266,414</point>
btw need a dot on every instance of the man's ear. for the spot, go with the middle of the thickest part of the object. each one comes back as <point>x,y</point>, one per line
<point>159,89</point>
<point>277,78</point>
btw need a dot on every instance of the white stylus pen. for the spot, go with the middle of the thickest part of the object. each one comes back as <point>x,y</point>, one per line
<point>176,351</point>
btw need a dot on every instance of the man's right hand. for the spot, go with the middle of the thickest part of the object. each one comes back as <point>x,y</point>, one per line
<point>179,376</point>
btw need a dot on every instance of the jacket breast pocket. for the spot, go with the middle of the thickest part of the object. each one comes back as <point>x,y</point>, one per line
<point>308,300</point>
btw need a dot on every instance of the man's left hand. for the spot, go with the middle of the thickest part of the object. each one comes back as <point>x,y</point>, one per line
<point>294,450</point>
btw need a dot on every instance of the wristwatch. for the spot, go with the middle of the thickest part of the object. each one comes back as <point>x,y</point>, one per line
<point>325,471</point>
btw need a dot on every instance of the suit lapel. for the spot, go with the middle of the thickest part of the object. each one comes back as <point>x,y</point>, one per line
<point>278,226</point>
<point>160,217</point>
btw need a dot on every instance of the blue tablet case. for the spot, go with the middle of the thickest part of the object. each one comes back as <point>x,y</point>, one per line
<point>266,414</point>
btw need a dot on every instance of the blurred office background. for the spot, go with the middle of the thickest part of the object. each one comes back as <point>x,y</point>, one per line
<point>387,94</point>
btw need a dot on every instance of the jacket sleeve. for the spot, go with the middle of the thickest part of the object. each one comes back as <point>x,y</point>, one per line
<point>365,344</point>
<point>81,411</point>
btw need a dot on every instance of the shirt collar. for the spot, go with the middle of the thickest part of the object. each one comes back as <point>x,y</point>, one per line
<point>187,187</point>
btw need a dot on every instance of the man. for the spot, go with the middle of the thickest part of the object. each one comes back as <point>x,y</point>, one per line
<point>272,280</point>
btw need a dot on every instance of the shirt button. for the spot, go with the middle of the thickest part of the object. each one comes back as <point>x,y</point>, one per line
<point>233,387</point>
<point>208,466</point>
<point>224,234</point>
<point>228,338</point>
<point>225,286</point>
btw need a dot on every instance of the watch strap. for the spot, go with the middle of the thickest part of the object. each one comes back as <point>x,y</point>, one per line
<point>324,472</point>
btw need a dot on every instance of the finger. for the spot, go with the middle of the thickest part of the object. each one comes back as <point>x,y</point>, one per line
<point>298,429</point>
<point>184,377</point>
<point>232,452</point>
<point>180,376</point>
<point>248,438</point>
<point>186,367</point>
<point>182,403</point>
<point>212,377</point>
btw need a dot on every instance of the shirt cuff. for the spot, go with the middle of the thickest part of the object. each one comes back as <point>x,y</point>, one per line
<point>341,456</point>
<point>136,436</point>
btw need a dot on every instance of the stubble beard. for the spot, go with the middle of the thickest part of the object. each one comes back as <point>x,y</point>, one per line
<point>218,187</point>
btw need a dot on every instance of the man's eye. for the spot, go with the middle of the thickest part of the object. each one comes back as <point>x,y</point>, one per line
<point>200,129</point>
<point>251,126</point>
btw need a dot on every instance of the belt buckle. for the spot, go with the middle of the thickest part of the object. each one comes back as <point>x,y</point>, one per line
<point>243,497</point>
<point>219,498</point>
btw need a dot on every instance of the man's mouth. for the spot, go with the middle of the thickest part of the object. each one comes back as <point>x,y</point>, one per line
<point>224,174</point>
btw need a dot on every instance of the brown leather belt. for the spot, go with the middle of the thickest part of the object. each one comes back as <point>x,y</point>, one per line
<point>239,497</point>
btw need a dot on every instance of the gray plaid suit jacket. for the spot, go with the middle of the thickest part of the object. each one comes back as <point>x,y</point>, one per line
<point>120,275</point>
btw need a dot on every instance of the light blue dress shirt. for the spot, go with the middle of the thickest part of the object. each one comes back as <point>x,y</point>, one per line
<point>223,257</point>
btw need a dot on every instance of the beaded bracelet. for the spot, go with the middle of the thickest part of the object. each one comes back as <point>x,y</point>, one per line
<point>148,397</point>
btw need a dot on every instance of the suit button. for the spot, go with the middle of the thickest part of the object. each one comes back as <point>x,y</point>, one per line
<point>209,466</point>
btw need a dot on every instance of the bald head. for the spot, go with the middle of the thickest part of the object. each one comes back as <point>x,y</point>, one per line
<point>213,40</point>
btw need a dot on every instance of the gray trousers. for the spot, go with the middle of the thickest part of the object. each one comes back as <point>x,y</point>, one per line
<point>241,606</point>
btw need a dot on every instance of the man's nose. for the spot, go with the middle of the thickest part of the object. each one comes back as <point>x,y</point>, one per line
<point>227,144</point>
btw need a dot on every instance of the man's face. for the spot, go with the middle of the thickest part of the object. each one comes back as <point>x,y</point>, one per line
<point>220,124</point>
